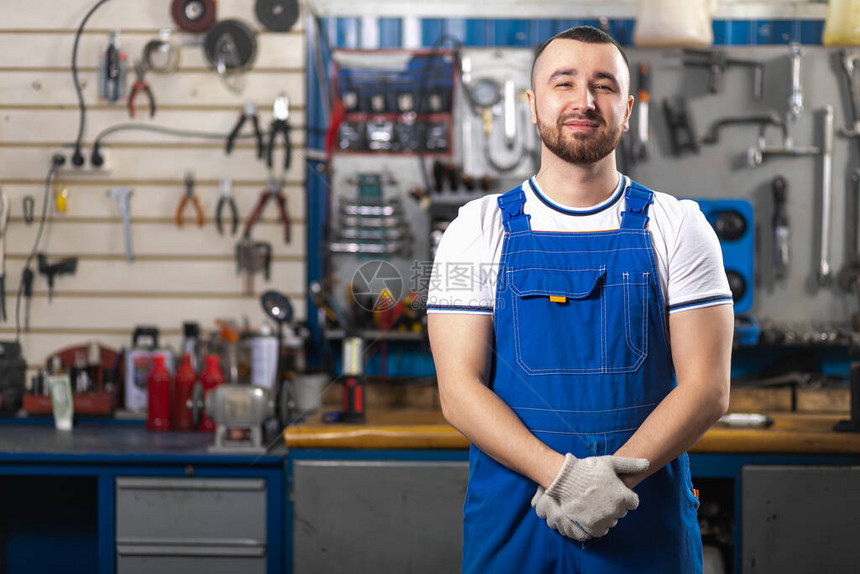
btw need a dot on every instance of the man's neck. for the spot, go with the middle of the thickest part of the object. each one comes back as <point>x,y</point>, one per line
<point>576,185</point>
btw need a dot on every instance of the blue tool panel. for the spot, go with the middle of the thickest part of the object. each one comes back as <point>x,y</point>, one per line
<point>732,220</point>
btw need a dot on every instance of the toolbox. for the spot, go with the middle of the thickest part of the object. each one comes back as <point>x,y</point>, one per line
<point>100,400</point>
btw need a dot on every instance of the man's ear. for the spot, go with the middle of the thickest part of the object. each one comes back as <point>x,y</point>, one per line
<point>531,97</point>
<point>630,100</point>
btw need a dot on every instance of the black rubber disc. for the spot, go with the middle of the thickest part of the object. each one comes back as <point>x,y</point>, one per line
<point>277,15</point>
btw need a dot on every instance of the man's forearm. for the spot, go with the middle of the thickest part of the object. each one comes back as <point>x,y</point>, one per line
<point>483,418</point>
<point>701,342</point>
<point>677,423</point>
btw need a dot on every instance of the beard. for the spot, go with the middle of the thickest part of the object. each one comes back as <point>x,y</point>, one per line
<point>579,148</point>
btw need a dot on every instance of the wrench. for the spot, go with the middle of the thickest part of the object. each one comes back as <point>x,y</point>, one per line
<point>850,272</point>
<point>122,195</point>
<point>795,101</point>
<point>826,195</point>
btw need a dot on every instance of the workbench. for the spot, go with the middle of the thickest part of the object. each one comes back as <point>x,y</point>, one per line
<point>430,460</point>
<point>111,498</point>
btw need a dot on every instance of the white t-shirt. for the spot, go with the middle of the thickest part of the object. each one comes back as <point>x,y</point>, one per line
<point>688,256</point>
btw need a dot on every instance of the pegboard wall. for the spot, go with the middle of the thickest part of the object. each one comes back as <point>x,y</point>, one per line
<point>721,171</point>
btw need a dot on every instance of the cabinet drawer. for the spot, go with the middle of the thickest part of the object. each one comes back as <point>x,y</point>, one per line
<point>190,511</point>
<point>138,563</point>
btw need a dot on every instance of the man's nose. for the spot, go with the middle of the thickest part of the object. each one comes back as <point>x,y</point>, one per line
<point>582,99</point>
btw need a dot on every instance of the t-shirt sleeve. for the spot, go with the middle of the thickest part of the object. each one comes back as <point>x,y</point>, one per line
<point>696,277</point>
<point>460,281</point>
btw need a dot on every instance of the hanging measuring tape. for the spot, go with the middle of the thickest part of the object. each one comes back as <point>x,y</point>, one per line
<point>231,48</point>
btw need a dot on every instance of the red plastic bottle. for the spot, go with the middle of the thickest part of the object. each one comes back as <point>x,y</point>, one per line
<point>183,388</point>
<point>210,377</point>
<point>158,396</point>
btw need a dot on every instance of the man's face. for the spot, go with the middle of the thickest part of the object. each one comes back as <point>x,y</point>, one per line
<point>580,101</point>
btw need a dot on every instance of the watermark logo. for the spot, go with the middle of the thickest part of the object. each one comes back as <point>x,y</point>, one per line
<point>377,285</point>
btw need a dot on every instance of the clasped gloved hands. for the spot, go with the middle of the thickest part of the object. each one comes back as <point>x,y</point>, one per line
<point>587,497</point>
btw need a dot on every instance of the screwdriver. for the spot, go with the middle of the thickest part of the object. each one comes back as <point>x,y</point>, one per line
<point>27,280</point>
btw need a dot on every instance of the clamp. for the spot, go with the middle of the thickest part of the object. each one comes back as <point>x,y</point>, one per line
<point>716,61</point>
<point>273,191</point>
<point>189,196</point>
<point>140,85</point>
<point>248,113</point>
<point>280,125</point>
<point>226,198</point>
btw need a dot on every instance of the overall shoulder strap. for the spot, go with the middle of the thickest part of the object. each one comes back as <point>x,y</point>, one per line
<point>513,216</point>
<point>639,199</point>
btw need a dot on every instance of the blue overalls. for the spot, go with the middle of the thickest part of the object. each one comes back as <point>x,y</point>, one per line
<point>582,357</point>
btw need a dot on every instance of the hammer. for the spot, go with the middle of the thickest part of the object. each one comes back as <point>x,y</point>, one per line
<point>122,194</point>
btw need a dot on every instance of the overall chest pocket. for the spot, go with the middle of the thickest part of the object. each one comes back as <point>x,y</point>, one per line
<point>583,321</point>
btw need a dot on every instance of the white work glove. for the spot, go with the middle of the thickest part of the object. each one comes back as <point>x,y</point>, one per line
<point>587,497</point>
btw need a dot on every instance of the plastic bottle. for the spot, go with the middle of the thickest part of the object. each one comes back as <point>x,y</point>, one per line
<point>183,388</point>
<point>842,26</point>
<point>684,23</point>
<point>211,377</point>
<point>158,396</point>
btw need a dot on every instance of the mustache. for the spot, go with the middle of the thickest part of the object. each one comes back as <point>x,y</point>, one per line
<point>590,116</point>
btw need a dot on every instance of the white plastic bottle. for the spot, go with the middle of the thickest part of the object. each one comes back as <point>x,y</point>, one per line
<point>683,23</point>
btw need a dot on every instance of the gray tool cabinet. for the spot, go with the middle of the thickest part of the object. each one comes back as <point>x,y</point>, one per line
<point>181,525</point>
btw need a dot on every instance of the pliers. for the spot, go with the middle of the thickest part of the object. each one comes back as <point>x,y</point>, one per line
<point>140,85</point>
<point>189,196</point>
<point>273,191</point>
<point>248,113</point>
<point>279,125</point>
<point>226,198</point>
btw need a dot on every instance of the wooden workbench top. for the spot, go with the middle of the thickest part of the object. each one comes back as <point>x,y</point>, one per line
<point>426,429</point>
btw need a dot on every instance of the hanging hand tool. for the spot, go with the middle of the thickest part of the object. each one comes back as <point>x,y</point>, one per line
<point>140,85</point>
<point>66,266</point>
<point>122,194</point>
<point>27,282</point>
<point>29,205</point>
<point>253,257</point>
<point>112,71</point>
<point>5,205</point>
<point>189,197</point>
<point>717,62</point>
<point>681,133</point>
<point>826,195</point>
<point>641,152</point>
<point>280,125</point>
<point>249,113</point>
<point>226,198</point>
<point>795,100</point>
<point>761,120</point>
<point>781,233</point>
<point>850,272</point>
<point>272,191</point>
<point>849,64</point>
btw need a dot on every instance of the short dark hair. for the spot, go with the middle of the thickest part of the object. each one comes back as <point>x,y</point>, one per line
<point>586,34</point>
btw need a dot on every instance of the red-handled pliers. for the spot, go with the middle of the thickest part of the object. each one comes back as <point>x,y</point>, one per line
<point>273,191</point>
<point>140,85</point>
<point>189,196</point>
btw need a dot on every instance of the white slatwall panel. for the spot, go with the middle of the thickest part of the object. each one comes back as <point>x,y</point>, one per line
<point>186,274</point>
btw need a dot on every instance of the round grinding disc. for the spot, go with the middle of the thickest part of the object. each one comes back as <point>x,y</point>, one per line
<point>277,15</point>
<point>193,15</point>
